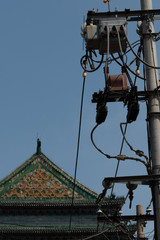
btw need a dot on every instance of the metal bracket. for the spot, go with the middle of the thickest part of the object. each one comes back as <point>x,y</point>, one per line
<point>143,180</point>
<point>129,15</point>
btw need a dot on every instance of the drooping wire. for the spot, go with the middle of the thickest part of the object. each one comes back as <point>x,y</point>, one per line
<point>137,152</point>
<point>145,63</point>
<point>134,44</point>
<point>116,172</point>
<point>89,60</point>
<point>78,145</point>
<point>121,56</point>
<point>118,157</point>
<point>115,59</point>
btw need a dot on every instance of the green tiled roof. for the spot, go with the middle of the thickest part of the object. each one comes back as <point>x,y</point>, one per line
<point>39,179</point>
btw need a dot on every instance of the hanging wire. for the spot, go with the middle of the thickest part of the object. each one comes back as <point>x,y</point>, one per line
<point>118,157</point>
<point>122,143</point>
<point>136,43</point>
<point>145,63</point>
<point>120,152</point>
<point>124,64</point>
<point>89,59</point>
<point>115,59</point>
<point>122,226</point>
<point>137,152</point>
<point>78,144</point>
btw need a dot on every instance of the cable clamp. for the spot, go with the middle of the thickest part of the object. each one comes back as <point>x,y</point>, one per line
<point>121,157</point>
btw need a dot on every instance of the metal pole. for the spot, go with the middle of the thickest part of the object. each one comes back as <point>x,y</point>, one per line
<point>150,57</point>
<point>140,222</point>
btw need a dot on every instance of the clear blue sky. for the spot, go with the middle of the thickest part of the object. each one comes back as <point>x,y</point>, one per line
<point>40,90</point>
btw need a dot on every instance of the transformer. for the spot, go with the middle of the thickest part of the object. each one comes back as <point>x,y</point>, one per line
<point>117,82</point>
<point>96,29</point>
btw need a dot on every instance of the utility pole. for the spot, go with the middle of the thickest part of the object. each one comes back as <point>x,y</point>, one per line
<point>140,222</point>
<point>152,79</point>
<point>107,33</point>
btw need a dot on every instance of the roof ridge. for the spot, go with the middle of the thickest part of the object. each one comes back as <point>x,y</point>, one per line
<point>79,186</point>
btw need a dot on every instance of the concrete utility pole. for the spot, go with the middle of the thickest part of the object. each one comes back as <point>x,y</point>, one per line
<point>140,222</point>
<point>150,56</point>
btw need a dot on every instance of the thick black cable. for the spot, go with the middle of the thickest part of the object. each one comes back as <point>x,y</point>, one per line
<point>140,59</point>
<point>124,64</point>
<point>118,157</point>
<point>136,44</point>
<point>125,127</point>
<point>78,144</point>
<point>106,155</point>
<point>137,152</point>
<point>127,68</point>
<point>87,58</point>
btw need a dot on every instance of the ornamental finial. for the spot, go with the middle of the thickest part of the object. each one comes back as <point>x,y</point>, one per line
<point>38,146</point>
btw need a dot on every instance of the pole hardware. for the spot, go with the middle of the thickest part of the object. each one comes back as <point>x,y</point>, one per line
<point>131,187</point>
<point>138,180</point>
<point>121,95</point>
<point>128,14</point>
<point>106,32</point>
<point>125,218</point>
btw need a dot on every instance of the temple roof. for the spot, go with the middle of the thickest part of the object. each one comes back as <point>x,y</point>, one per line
<point>36,198</point>
<point>39,180</point>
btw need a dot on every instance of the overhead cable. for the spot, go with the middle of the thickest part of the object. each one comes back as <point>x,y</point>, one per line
<point>115,59</point>
<point>124,64</point>
<point>118,157</point>
<point>87,58</point>
<point>120,152</point>
<point>147,64</point>
<point>78,144</point>
<point>134,44</point>
<point>138,152</point>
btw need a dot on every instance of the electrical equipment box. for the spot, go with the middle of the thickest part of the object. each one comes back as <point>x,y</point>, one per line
<point>117,82</point>
<point>95,32</point>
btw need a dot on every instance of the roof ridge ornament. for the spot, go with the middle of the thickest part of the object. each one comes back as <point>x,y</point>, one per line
<point>38,146</point>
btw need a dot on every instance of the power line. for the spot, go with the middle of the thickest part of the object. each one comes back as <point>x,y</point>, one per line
<point>145,63</point>
<point>78,144</point>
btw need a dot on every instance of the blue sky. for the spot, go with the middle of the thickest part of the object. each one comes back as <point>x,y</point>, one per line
<point>40,90</point>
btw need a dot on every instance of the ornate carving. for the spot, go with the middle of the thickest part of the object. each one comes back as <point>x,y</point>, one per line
<point>39,184</point>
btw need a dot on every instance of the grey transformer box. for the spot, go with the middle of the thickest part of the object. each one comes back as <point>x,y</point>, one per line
<point>100,28</point>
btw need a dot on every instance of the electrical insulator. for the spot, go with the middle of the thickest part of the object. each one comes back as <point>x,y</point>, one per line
<point>102,111</point>
<point>138,72</point>
<point>131,187</point>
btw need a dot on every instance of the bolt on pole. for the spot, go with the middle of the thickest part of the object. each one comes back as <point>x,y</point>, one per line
<point>150,56</point>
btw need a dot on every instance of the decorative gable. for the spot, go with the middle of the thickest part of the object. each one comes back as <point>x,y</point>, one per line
<point>40,179</point>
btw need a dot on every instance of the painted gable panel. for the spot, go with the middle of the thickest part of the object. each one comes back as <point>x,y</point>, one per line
<point>40,179</point>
